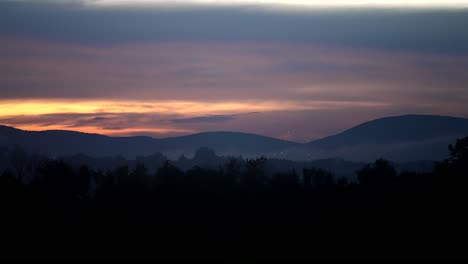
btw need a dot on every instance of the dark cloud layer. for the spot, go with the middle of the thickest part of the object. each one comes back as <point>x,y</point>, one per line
<point>424,30</point>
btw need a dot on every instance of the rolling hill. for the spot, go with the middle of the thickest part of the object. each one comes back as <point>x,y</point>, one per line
<point>404,138</point>
<point>399,138</point>
<point>58,142</point>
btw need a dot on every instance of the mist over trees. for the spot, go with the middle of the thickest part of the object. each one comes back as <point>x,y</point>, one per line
<point>229,206</point>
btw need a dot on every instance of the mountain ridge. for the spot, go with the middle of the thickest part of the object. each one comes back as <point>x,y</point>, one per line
<point>409,120</point>
<point>406,137</point>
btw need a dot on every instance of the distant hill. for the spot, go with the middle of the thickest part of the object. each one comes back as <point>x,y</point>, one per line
<point>58,142</point>
<point>227,143</point>
<point>399,138</point>
<point>404,138</point>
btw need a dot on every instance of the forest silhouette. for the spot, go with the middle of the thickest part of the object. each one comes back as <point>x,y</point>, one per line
<point>235,210</point>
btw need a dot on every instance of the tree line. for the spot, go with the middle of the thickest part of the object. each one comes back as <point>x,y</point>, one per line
<point>233,208</point>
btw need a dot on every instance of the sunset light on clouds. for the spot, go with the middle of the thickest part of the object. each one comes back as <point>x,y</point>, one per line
<point>163,72</point>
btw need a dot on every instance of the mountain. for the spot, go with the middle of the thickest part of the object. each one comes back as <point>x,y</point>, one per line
<point>59,142</point>
<point>402,138</point>
<point>399,138</point>
<point>227,143</point>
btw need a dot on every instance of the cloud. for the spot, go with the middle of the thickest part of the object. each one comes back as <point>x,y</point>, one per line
<point>434,30</point>
<point>122,124</point>
<point>204,119</point>
<point>212,71</point>
<point>210,118</point>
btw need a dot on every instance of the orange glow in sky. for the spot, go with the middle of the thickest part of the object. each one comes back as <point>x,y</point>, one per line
<point>188,108</point>
<point>146,117</point>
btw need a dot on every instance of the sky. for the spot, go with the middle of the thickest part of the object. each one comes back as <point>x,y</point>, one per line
<point>295,70</point>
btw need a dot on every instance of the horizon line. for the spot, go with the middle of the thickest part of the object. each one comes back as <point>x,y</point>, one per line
<point>237,132</point>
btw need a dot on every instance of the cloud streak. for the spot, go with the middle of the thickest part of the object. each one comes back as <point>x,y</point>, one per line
<point>210,118</point>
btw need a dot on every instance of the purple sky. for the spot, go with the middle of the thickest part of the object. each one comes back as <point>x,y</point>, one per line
<point>163,72</point>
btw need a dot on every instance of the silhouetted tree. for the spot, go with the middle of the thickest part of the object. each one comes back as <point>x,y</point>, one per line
<point>19,161</point>
<point>35,160</point>
<point>83,184</point>
<point>121,174</point>
<point>453,172</point>
<point>342,181</point>
<point>10,187</point>
<point>459,151</point>
<point>255,171</point>
<point>168,174</point>
<point>105,185</point>
<point>139,179</point>
<point>317,177</point>
<point>204,183</point>
<point>232,170</point>
<point>381,172</point>
<point>58,180</point>
<point>286,181</point>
